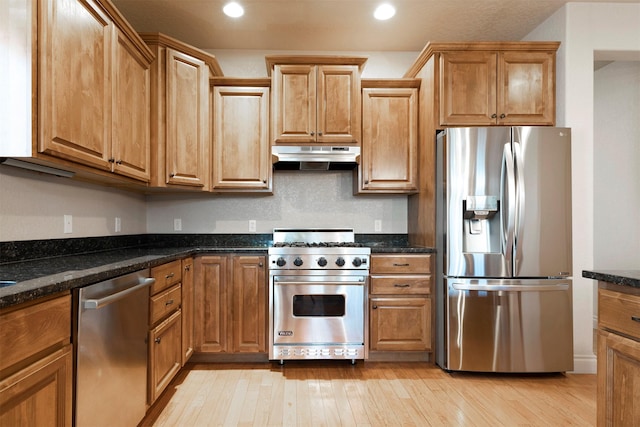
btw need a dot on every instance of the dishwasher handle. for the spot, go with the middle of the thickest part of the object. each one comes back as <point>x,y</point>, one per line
<point>95,304</point>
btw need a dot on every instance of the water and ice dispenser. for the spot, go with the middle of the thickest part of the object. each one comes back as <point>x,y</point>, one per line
<point>481,224</point>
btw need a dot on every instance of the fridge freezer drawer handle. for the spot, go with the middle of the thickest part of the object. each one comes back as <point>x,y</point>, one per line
<point>94,304</point>
<point>512,288</point>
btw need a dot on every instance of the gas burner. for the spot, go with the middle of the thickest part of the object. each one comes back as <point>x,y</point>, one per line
<point>317,245</point>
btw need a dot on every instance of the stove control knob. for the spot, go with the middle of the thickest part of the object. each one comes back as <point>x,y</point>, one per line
<point>297,262</point>
<point>357,262</point>
<point>280,262</point>
<point>322,261</point>
<point>340,262</point>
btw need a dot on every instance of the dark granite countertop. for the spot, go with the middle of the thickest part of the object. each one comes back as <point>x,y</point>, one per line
<point>618,277</point>
<point>81,262</point>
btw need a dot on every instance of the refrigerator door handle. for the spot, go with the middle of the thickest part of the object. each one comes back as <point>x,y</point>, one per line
<point>519,204</point>
<point>508,197</point>
<point>512,288</point>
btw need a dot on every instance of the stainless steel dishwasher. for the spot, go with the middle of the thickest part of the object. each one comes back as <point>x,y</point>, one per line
<point>111,351</point>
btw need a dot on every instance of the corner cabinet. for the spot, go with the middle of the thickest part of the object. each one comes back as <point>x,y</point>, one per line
<point>93,88</point>
<point>36,380</point>
<point>389,159</point>
<point>618,355</point>
<point>241,148</point>
<point>180,113</point>
<point>231,304</point>
<point>484,88</point>
<point>400,312</point>
<point>316,99</point>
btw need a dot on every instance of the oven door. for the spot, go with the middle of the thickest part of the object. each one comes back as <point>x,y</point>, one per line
<point>318,310</point>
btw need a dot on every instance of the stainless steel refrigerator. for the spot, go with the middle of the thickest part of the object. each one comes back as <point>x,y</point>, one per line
<point>503,223</point>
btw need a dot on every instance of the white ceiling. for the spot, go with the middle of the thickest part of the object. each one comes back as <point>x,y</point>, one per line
<point>339,25</point>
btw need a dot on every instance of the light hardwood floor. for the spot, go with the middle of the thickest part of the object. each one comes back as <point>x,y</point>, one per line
<point>336,393</point>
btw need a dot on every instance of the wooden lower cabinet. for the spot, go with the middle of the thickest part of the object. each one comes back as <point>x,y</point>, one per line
<point>187,309</point>
<point>166,353</point>
<point>165,350</point>
<point>36,364</point>
<point>400,324</point>
<point>231,303</point>
<point>400,311</point>
<point>618,356</point>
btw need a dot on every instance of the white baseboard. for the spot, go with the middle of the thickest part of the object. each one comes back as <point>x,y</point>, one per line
<point>584,364</point>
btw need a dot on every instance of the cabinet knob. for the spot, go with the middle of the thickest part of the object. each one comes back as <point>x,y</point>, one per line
<point>493,116</point>
<point>374,307</point>
<point>635,318</point>
<point>502,116</point>
<point>313,133</point>
<point>260,264</point>
<point>187,268</point>
<point>171,175</point>
<point>111,160</point>
<point>264,181</point>
<point>319,133</point>
<point>157,340</point>
<point>169,276</point>
<point>366,181</point>
<point>119,162</point>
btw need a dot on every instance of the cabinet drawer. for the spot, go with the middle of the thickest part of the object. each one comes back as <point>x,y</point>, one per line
<point>166,275</point>
<point>164,303</point>
<point>27,331</point>
<point>398,285</point>
<point>400,264</point>
<point>619,312</point>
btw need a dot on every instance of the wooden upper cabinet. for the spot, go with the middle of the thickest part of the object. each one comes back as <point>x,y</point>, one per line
<point>389,160</point>
<point>316,99</point>
<point>93,96</point>
<point>131,103</point>
<point>74,62</point>
<point>241,149</point>
<point>484,88</point>
<point>180,111</point>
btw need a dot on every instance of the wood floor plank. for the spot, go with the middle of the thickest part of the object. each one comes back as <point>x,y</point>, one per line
<point>369,394</point>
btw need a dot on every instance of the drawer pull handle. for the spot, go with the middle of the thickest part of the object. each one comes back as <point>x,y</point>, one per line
<point>169,302</point>
<point>635,318</point>
<point>401,265</point>
<point>169,276</point>
<point>157,340</point>
<point>402,285</point>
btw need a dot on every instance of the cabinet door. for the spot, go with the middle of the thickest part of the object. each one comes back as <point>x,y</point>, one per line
<point>399,324</point>
<point>241,149</point>
<point>249,303</point>
<point>131,106</point>
<point>338,104</point>
<point>526,88</point>
<point>74,62</point>
<point>187,309</point>
<point>618,380</point>
<point>40,394</point>
<point>210,329</point>
<point>294,103</point>
<point>390,141</point>
<point>165,347</point>
<point>187,119</point>
<point>468,88</point>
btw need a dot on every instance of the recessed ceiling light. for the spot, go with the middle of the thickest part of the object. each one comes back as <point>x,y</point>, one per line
<point>233,10</point>
<point>384,11</point>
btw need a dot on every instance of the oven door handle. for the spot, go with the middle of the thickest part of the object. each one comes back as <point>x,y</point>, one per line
<point>352,280</point>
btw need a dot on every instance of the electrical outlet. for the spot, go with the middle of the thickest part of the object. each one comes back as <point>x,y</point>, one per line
<point>377,225</point>
<point>68,224</point>
<point>118,224</point>
<point>177,224</point>
<point>252,225</point>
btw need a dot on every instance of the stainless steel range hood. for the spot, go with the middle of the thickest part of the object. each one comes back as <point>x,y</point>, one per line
<point>315,157</point>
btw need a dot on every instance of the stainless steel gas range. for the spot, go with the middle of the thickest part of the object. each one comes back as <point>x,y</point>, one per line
<point>318,287</point>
